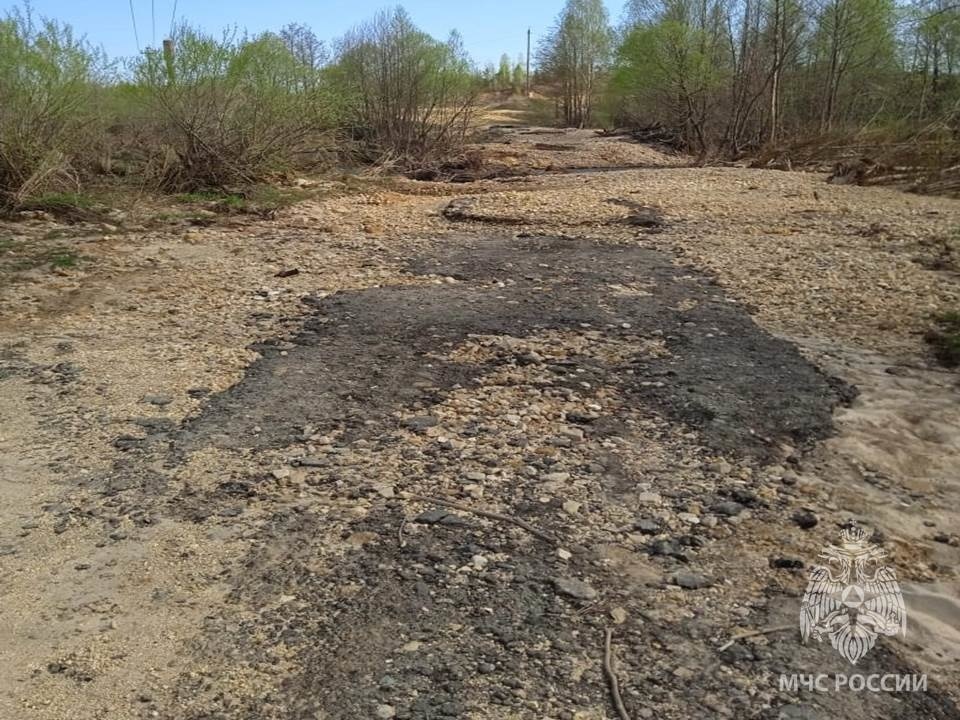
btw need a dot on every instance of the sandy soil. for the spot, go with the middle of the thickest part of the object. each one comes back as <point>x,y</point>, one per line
<point>165,551</point>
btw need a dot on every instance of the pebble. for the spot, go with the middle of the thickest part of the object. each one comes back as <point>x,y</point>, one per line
<point>574,588</point>
<point>690,580</point>
<point>728,508</point>
<point>805,519</point>
<point>421,422</point>
<point>785,563</point>
<point>648,526</point>
<point>386,712</point>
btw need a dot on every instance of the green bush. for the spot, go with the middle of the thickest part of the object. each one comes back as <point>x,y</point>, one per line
<point>232,111</point>
<point>409,97</point>
<point>945,339</point>
<point>48,120</point>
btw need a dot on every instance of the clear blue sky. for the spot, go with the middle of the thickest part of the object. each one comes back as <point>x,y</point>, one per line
<point>488,27</point>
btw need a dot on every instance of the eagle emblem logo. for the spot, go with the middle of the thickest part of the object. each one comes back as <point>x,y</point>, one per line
<point>852,598</point>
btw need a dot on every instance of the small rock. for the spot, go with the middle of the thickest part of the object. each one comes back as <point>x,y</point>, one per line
<point>431,517</point>
<point>619,615</point>
<point>721,467</point>
<point>386,712</point>
<point>158,399</point>
<point>668,548</point>
<point>574,588</point>
<point>648,526</point>
<point>564,554</point>
<point>690,580</point>
<point>421,423</point>
<point>785,563</point>
<point>805,519</point>
<point>571,507</point>
<point>729,508</point>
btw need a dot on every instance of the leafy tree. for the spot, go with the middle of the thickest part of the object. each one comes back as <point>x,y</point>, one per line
<point>575,55</point>
<point>409,96</point>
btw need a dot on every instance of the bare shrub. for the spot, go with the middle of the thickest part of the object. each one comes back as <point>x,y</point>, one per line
<point>47,115</point>
<point>232,110</point>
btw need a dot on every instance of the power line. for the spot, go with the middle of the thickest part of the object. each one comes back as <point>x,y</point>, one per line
<point>133,19</point>
<point>153,22</point>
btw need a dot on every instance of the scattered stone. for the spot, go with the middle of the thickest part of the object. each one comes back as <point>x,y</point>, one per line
<point>574,588</point>
<point>431,517</point>
<point>729,508</point>
<point>785,563</point>
<point>127,442</point>
<point>805,519</point>
<point>648,526</point>
<point>571,507</point>
<point>386,712</point>
<point>690,580</point>
<point>420,423</point>
<point>619,615</point>
<point>668,547</point>
<point>160,400</point>
<point>721,467</point>
<point>311,462</point>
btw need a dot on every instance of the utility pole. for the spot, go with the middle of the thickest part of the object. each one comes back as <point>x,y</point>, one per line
<point>528,62</point>
<point>168,60</point>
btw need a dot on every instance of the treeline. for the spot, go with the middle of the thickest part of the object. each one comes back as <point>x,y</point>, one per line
<point>212,112</point>
<point>734,76</point>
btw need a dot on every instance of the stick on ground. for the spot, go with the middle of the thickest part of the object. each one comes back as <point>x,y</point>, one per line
<point>487,514</point>
<point>754,633</point>
<point>612,677</point>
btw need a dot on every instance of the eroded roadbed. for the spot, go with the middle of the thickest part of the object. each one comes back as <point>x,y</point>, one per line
<point>613,400</point>
<point>677,345</point>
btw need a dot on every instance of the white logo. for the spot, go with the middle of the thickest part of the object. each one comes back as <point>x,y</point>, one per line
<point>853,598</point>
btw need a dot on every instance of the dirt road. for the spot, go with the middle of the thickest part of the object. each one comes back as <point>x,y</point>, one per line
<point>411,448</point>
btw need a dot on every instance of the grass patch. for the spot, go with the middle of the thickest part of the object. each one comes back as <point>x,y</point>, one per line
<point>945,338</point>
<point>67,206</point>
<point>256,199</point>
<point>63,260</point>
<point>208,197</point>
<point>60,201</point>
